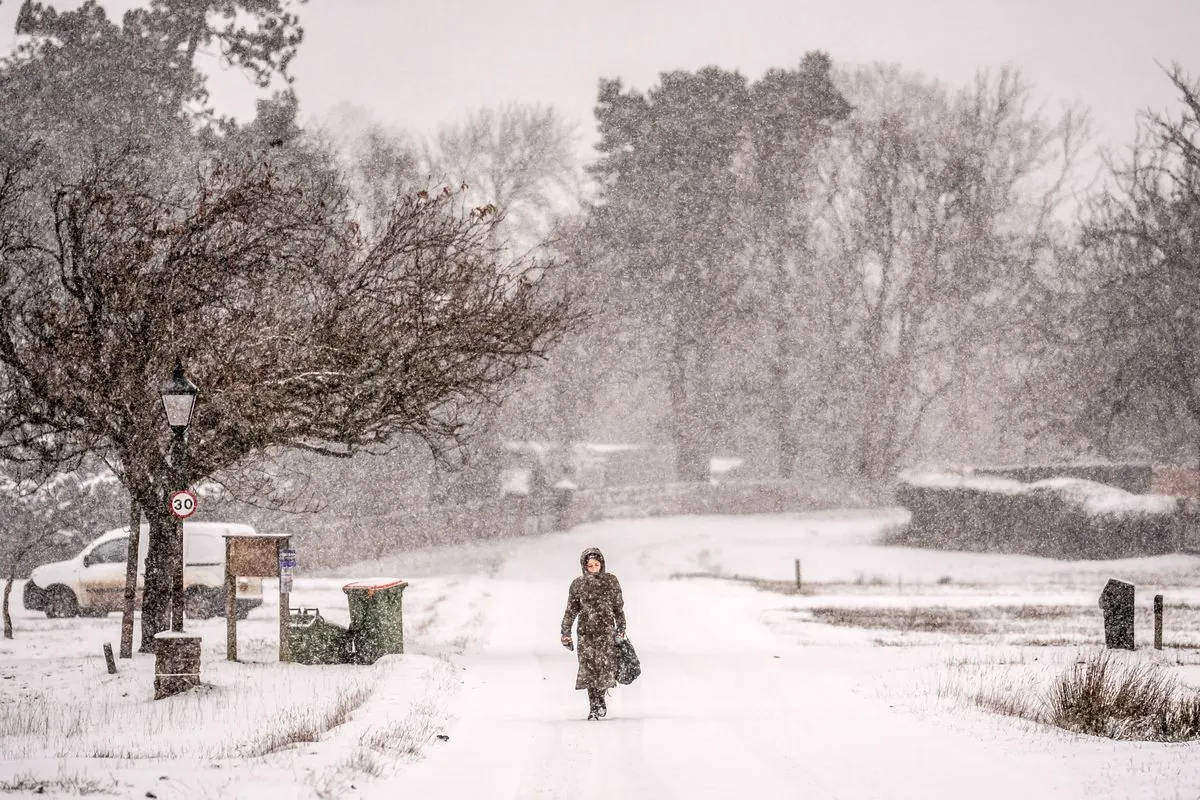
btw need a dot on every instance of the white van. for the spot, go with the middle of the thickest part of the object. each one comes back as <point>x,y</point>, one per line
<point>93,582</point>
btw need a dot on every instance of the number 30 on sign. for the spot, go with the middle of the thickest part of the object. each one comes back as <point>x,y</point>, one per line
<point>183,504</point>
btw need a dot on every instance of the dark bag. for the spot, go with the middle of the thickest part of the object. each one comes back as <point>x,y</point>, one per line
<point>628,665</point>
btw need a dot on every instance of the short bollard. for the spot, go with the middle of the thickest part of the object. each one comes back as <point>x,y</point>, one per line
<point>1117,602</point>
<point>176,663</point>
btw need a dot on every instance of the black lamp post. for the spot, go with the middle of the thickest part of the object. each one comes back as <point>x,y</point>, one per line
<point>178,398</point>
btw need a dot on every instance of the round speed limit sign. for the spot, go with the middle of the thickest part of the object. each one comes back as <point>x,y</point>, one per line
<point>183,504</point>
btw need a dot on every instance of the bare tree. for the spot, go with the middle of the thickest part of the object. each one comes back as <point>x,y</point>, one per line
<point>1123,371</point>
<point>516,161</point>
<point>302,330</point>
<point>522,161</point>
<point>520,158</point>
<point>937,209</point>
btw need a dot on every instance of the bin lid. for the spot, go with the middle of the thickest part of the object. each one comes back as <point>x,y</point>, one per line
<point>373,584</point>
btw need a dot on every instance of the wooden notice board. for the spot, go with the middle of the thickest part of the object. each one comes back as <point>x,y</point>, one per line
<point>254,556</point>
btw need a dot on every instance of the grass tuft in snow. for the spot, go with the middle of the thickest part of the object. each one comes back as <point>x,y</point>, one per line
<point>380,748</point>
<point>1101,697</point>
<point>63,784</point>
<point>1098,695</point>
<point>1012,695</point>
<point>409,735</point>
<point>300,724</point>
<point>365,761</point>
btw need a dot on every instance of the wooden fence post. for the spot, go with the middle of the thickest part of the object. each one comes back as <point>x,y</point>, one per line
<point>1158,619</point>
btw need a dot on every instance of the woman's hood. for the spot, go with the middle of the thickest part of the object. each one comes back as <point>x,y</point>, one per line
<point>591,552</point>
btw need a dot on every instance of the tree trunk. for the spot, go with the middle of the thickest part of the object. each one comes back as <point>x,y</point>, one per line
<point>156,592</point>
<point>691,464</point>
<point>876,453</point>
<point>8,629</point>
<point>691,460</point>
<point>782,406</point>
<point>131,570</point>
<point>687,426</point>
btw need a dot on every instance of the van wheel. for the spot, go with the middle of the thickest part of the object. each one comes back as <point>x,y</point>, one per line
<point>200,604</point>
<point>61,603</point>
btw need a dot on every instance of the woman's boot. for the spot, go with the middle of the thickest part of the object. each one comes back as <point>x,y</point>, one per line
<point>595,700</point>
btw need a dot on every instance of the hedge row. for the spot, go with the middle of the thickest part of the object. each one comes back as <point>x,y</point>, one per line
<point>1068,518</point>
<point>1133,478</point>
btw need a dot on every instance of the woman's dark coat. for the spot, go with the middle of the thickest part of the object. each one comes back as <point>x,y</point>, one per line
<point>596,600</point>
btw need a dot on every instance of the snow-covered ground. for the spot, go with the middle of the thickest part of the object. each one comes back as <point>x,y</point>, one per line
<point>749,688</point>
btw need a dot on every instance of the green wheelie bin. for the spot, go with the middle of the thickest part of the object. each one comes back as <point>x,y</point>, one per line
<point>376,618</point>
<point>312,639</point>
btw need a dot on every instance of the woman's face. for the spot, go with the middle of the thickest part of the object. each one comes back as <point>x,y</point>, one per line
<point>593,565</point>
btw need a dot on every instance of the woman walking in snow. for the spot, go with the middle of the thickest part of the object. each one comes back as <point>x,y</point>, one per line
<point>595,599</point>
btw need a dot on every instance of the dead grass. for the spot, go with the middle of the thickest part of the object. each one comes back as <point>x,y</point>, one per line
<point>862,583</point>
<point>63,784</point>
<point>407,736</point>
<point>1034,625</point>
<point>382,747</point>
<point>364,761</point>
<point>426,623</point>
<point>780,587</point>
<point>1001,690</point>
<point>1008,656</point>
<point>303,724</point>
<point>1119,700</point>
<point>420,625</point>
<point>1099,695</point>
<point>978,621</point>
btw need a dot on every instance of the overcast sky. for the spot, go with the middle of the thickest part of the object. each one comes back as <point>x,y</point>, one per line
<point>416,63</point>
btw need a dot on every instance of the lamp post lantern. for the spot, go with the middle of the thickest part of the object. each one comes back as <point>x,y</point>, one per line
<point>178,399</point>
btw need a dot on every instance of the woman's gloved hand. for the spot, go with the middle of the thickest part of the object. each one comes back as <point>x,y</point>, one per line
<point>567,643</point>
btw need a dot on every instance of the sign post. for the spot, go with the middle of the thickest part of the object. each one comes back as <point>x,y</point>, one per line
<point>182,504</point>
<point>287,563</point>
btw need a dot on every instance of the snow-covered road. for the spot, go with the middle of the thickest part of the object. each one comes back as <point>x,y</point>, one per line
<point>725,707</point>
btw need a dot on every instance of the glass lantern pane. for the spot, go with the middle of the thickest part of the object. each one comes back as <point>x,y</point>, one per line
<point>178,408</point>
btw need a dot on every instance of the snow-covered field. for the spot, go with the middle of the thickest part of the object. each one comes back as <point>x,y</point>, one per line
<point>749,688</point>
